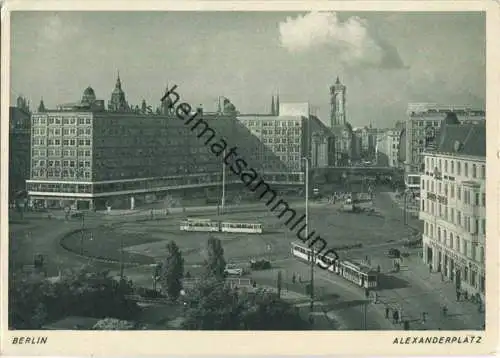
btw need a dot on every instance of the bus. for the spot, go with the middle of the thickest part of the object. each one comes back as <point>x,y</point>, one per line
<point>208,225</point>
<point>361,275</point>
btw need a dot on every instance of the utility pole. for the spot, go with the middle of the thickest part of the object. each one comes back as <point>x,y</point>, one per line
<point>82,236</point>
<point>122,268</point>
<point>364,314</point>
<point>223,199</point>
<point>313,256</point>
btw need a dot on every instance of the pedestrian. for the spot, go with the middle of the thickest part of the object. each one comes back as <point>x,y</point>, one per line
<point>387,311</point>
<point>378,268</point>
<point>424,317</point>
<point>367,293</point>
<point>458,295</point>
<point>445,311</point>
<point>299,278</point>
<point>442,277</point>
<point>430,268</point>
<point>395,316</point>
<point>293,278</point>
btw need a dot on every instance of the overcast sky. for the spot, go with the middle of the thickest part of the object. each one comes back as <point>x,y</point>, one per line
<point>386,60</point>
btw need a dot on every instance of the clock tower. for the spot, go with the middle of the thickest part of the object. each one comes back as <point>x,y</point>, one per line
<point>337,104</point>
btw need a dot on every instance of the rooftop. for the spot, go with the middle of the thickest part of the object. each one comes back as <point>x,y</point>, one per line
<point>462,139</point>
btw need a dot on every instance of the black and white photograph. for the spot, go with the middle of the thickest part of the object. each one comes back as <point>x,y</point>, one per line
<point>317,170</point>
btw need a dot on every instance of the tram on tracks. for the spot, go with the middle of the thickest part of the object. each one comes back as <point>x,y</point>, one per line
<point>208,225</point>
<point>357,273</point>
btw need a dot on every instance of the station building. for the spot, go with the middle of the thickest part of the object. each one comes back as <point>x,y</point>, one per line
<point>453,205</point>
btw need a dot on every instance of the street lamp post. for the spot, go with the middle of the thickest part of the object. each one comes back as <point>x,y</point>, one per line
<point>223,199</point>
<point>313,257</point>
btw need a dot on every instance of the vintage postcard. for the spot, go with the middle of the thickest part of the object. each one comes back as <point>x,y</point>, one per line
<point>249,178</point>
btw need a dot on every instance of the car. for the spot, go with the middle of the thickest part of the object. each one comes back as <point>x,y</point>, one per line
<point>233,270</point>
<point>394,253</point>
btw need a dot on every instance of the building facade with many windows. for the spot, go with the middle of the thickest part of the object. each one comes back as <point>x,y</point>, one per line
<point>387,148</point>
<point>87,157</point>
<point>422,127</point>
<point>453,206</point>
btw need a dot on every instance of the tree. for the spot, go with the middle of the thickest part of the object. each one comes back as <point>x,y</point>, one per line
<point>267,311</point>
<point>113,324</point>
<point>213,305</point>
<point>34,301</point>
<point>215,263</point>
<point>172,271</point>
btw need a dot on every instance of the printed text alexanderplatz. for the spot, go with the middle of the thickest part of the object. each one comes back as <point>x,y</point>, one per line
<point>249,177</point>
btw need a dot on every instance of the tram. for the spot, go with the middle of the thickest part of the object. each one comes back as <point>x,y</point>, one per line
<point>205,225</point>
<point>208,225</point>
<point>357,273</point>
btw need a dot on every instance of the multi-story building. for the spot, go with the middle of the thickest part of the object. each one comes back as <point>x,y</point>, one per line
<point>19,146</point>
<point>422,127</point>
<point>86,156</point>
<point>387,148</point>
<point>453,201</point>
<point>291,134</point>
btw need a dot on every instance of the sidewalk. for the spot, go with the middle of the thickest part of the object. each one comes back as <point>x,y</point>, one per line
<point>415,290</point>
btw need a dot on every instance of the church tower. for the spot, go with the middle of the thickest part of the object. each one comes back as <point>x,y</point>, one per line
<point>337,104</point>
<point>118,102</point>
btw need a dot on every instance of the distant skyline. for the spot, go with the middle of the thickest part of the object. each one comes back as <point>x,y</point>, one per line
<point>385,59</point>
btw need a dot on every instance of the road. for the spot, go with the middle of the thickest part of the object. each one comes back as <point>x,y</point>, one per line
<point>412,289</point>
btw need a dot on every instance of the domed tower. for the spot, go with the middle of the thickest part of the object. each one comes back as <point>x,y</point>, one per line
<point>88,96</point>
<point>118,102</point>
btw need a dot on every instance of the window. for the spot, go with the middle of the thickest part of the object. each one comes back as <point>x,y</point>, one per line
<point>81,131</point>
<point>452,190</point>
<point>452,215</point>
<point>65,142</point>
<point>57,142</point>
<point>65,163</point>
<point>81,121</point>
<point>459,169</point>
<point>457,243</point>
<point>466,249</point>
<point>445,238</point>
<point>66,131</point>
<point>466,169</point>
<point>446,166</point>
<point>423,205</point>
<point>459,193</point>
<point>58,120</point>
<point>452,166</point>
<point>451,241</point>
<point>65,120</point>
<point>87,121</point>
<point>474,173</point>
<point>483,199</point>
<point>87,141</point>
<point>57,131</point>
<point>483,172</point>
<point>51,121</point>
<point>72,131</point>
<point>439,234</point>
<point>459,218</point>
<point>81,142</point>
<point>477,203</point>
<point>483,230</point>
<point>72,163</point>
